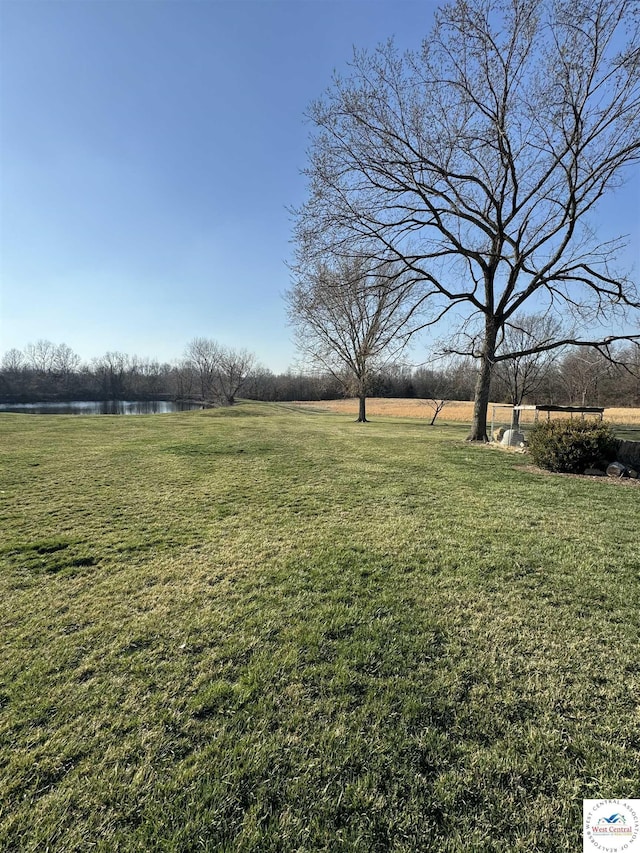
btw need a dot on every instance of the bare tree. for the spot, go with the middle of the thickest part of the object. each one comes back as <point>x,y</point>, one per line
<point>64,365</point>
<point>626,390</point>
<point>476,163</point>
<point>111,370</point>
<point>203,354</point>
<point>352,319</point>
<point>41,356</point>
<point>182,381</point>
<point>13,361</point>
<point>443,380</point>
<point>232,371</point>
<point>522,376</point>
<point>436,404</point>
<point>65,361</point>
<point>12,369</point>
<point>582,374</point>
<point>221,371</point>
<point>441,383</point>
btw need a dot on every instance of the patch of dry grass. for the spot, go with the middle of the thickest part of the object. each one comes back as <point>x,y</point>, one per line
<point>454,412</point>
<point>622,416</point>
<point>458,411</point>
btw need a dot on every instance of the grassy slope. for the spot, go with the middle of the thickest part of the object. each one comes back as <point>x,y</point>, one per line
<point>269,630</point>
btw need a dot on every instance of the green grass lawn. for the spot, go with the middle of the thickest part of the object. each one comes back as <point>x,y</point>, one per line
<point>260,629</point>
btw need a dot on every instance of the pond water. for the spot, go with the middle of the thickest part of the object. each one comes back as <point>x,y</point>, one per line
<point>101,407</point>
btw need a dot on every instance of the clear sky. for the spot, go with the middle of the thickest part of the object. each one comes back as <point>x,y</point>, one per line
<point>148,153</point>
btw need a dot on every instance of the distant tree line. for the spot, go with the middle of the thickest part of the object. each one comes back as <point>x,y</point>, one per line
<point>217,375</point>
<point>45,371</point>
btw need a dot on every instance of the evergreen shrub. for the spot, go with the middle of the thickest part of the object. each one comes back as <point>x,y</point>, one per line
<point>571,446</point>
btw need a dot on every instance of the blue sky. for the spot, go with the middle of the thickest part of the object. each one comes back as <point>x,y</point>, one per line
<point>148,153</point>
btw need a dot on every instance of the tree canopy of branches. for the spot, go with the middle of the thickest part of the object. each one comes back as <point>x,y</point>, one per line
<point>202,356</point>
<point>233,369</point>
<point>477,162</point>
<point>221,371</point>
<point>352,319</point>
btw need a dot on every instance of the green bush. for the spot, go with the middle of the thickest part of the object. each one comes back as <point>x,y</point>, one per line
<point>571,446</point>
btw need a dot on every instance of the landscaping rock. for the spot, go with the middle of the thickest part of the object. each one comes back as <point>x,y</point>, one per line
<point>629,454</point>
<point>512,438</point>
<point>617,469</point>
<point>594,472</point>
<point>631,472</point>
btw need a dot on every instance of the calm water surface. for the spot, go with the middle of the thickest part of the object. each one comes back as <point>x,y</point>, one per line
<point>100,407</point>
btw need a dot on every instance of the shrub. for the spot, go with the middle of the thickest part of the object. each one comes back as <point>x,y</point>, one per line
<point>571,446</point>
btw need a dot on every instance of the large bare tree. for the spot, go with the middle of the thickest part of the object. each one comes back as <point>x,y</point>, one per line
<point>478,163</point>
<point>353,318</point>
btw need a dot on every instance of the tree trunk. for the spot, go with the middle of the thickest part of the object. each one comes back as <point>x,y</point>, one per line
<point>438,407</point>
<point>483,383</point>
<point>362,409</point>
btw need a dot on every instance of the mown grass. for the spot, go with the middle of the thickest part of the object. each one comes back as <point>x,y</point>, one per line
<point>270,630</point>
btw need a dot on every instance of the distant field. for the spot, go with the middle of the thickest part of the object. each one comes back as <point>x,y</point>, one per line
<point>261,630</point>
<point>623,416</point>
<point>459,412</point>
<point>454,412</point>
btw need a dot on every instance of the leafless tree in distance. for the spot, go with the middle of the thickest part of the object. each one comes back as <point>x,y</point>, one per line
<point>352,318</point>
<point>221,371</point>
<point>203,355</point>
<point>111,369</point>
<point>41,355</point>
<point>522,376</point>
<point>582,374</point>
<point>13,360</point>
<point>232,371</point>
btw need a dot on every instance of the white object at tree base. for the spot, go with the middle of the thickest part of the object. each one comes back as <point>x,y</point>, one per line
<point>512,438</point>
